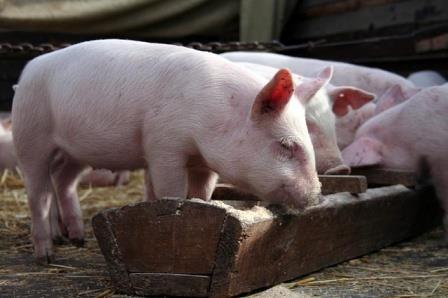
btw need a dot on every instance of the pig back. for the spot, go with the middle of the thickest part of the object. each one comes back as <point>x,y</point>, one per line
<point>120,95</point>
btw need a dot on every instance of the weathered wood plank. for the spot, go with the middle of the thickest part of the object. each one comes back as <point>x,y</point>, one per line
<point>167,236</point>
<point>108,245</point>
<point>168,284</point>
<point>267,252</point>
<point>161,247</point>
<point>387,176</point>
<point>340,183</point>
<point>330,184</point>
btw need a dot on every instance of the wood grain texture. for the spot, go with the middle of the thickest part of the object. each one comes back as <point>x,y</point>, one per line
<point>288,245</point>
<point>340,183</point>
<point>191,248</point>
<point>102,229</point>
<point>330,184</point>
<point>387,176</point>
<point>167,236</point>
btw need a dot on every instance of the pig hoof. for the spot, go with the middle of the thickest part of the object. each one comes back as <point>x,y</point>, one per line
<point>45,260</point>
<point>59,240</point>
<point>78,242</point>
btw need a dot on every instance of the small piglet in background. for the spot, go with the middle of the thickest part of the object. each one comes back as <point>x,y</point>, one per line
<point>8,158</point>
<point>426,78</point>
<point>347,125</point>
<point>328,103</point>
<point>184,115</point>
<point>406,135</point>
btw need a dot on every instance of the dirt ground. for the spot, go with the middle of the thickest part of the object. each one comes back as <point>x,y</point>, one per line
<point>416,268</point>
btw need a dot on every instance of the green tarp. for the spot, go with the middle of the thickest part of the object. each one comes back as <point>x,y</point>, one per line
<point>154,19</point>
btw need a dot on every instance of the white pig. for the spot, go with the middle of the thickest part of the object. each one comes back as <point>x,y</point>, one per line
<point>184,115</point>
<point>8,160</point>
<point>320,115</point>
<point>426,78</point>
<point>369,79</point>
<point>347,125</point>
<point>90,177</point>
<point>402,137</point>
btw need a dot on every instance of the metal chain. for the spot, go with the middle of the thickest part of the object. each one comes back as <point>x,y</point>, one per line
<point>215,47</point>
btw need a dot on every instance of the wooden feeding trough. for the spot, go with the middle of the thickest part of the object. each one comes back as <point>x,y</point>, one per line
<point>180,247</point>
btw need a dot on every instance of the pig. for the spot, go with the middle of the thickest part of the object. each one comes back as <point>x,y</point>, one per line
<point>103,178</point>
<point>406,136</point>
<point>8,160</point>
<point>320,115</point>
<point>369,79</point>
<point>90,177</point>
<point>426,78</point>
<point>185,116</point>
<point>347,125</point>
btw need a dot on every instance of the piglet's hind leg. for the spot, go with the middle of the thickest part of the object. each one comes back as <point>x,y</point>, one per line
<point>65,174</point>
<point>40,194</point>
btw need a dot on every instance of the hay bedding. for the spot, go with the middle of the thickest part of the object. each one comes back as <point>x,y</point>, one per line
<point>418,268</point>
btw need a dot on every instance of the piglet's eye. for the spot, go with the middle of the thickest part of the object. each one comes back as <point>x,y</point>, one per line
<point>289,148</point>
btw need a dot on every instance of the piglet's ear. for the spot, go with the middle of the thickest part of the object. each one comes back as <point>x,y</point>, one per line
<point>306,91</point>
<point>363,152</point>
<point>344,96</point>
<point>274,96</point>
<point>394,96</point>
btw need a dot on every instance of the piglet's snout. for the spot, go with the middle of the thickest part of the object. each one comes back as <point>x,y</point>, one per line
<point>300,197</point>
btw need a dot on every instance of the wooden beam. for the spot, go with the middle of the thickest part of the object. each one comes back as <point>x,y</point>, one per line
<point>330,184</point>
<point>341,183</point>
<point>266,252</point>
<point>387,176</point>
<point>197,248</point>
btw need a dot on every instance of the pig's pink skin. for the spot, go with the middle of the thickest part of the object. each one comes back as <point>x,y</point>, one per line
<point>319,117</point>
<point>394,96</point>
<point>370,79</point>
<point>8,161</point>
<point>125,105</point>
<point>8,158</point>
<point>95,178</point>
<point>323,126</point>
<point>101,178</point>
<point>426,78</point>
<point>402,136</point>
<point>92,178</point>
<point>347,125</point>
